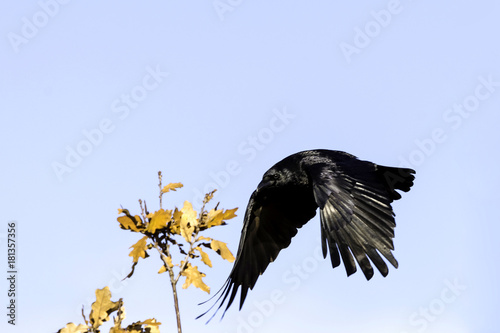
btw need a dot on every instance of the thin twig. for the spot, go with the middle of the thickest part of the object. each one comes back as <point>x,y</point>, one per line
<point>173,281</point>
<point>191,251</point>
<point>159,185</point>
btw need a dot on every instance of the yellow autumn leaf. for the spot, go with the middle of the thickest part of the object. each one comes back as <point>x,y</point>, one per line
<point>152,329</point>
<point>202,238</point>
<point>171,187</point>
<point>121,330</point>
<point>151,322</point>
<point>193,276</point>
<point>218,217</point>
<point>150,325</point>
<point>204,257</point>
<point>127,223</point>
<point>175,224</point>
<point>229,213</point>
<point>214,217</point>
<point>139,249</point>
<point>120,316</point>
<point>222,249</point>
<point>188,221</point>
<point>102,307</point>
<point>159,220</point>
<point>72,328</point>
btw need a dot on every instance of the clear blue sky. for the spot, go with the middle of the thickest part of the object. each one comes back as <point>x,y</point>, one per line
<point>96,98</point>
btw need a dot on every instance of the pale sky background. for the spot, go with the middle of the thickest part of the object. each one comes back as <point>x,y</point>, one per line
<point>414,83</point>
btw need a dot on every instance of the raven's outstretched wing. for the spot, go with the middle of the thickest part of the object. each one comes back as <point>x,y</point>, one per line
<point>357,220</point>
<point>271,220</point>
<point>356,215</point>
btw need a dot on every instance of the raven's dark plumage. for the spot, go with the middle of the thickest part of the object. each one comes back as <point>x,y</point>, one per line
<point>357,221</point>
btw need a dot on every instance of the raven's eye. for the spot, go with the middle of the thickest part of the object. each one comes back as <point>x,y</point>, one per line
<point>271,177</point>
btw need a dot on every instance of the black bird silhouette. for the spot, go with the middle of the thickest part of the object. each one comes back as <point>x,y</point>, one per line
<point>357,220</point>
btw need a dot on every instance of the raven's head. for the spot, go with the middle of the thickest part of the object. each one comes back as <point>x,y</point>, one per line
<point>272,178</point>
<point>287,173</point>
<point>278,177</point>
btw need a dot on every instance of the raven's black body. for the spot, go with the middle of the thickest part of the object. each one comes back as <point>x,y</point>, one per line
<point>357,220</point>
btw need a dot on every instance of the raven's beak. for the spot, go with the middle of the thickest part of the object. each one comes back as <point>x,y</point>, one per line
<point>264,184</point>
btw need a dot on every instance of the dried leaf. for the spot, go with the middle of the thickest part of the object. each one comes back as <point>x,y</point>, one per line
<point>214,218</point>
<point>150,325</point>
<point>72,328</point>
<point>188,221</point>
<point>229,213</point>
<point>151,322</point>
<point>102,307</point>
<point>115,329</point>
<point>159,220</point>
<point>128,222</point>
<point>204,257</point>
<point>132,328</point>
<point>132,271</point>
<point>222,249</point>
<point>175,224</point>
<point>202,238</point>
<point>152,329</point>
<point>193,276</point>
<point>139,249</point>
<point>171,187</point>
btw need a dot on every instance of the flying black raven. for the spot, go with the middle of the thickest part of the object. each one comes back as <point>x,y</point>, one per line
<point>357,220</point>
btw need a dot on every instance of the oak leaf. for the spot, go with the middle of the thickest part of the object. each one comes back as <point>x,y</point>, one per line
<point>204,257</point>
<point>72,328</point>
<point>188,221</point>
<point>102,307</point>
<point>171,187</point>
<point>159,220</point>
<point>229,213</point>
<point>222,249</point>
<point>202,238</point>
<point>139,249</point>
<point>193,276</point>
<point>152,324</point>
<point>129,222</point>
<point>175,224</point>
<point>121,330</point>
<point>214,218</point>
